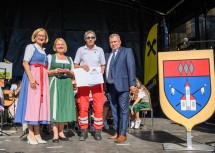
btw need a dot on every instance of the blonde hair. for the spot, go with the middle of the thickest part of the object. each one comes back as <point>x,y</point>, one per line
<point>140,86</point>
<point>114,35</point>
<point>34,35</point>
<point>64,42</point>
<point>88,32</point>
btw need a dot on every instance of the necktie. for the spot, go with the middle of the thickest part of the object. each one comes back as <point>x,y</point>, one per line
<point>110,75</point>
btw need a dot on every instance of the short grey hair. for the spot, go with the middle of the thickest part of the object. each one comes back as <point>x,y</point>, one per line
<point>88,32</point>
<point>114,35</point>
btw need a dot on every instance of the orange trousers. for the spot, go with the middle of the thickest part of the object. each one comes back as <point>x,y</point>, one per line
<point>98,97</point>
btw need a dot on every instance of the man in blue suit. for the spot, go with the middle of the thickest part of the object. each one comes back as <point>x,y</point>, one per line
<point>120,81</point>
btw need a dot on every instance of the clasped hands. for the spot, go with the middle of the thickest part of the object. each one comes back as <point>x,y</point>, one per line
<point>59,70</point>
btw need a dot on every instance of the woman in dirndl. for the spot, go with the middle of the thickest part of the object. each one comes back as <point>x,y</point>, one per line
<point>62,99</point>
<point>33,107</point>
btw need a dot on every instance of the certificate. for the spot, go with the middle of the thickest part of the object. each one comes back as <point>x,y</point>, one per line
<point>95,76</point>
<point>92,77</point>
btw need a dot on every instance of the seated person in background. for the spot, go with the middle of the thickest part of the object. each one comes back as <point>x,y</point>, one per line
<point>7,84</point>
<point>15,89</point>
<point>139,100</point>
<point>14,85</point>
<point>1,100</point>
<point>91,112</point>
<point>1,108</point>
<point>105,111</point>
<point>75,88</point>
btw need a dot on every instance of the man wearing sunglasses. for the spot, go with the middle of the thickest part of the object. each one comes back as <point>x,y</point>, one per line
<point>88,56</point>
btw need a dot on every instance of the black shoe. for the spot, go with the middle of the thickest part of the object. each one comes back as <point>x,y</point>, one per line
<point>55,140</point>
<point>63,138</point>
<point>97,135</point>
<point>84,135</point>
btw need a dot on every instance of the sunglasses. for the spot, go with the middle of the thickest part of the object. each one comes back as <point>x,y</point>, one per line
<point>92,37</point>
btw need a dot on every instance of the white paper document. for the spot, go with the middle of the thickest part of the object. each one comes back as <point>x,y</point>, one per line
<point>92,77</point>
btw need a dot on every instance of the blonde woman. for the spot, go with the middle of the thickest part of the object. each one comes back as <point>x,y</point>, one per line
<point>139,100</point>
<point>33,107</point>
<point>62,93</point>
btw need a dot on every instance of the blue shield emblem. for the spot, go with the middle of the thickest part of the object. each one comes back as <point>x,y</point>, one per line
<point>187,85</point>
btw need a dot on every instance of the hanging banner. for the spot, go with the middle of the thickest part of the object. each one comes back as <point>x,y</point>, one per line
<point>186,86</point>
<point>150,65</point>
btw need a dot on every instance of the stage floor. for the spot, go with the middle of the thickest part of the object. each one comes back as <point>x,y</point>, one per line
<point>139,141</point>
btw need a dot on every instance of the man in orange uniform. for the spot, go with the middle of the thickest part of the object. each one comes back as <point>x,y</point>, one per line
<point>88,56</point>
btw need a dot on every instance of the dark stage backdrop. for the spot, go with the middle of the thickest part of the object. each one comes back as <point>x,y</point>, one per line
<point>18,20</point>
<point>70,21</point>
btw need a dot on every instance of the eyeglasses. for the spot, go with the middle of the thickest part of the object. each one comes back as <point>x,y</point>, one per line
<point>92,37</point>
<point>43,36</point>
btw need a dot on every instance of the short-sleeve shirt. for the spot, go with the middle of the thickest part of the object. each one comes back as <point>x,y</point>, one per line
<point>13,87</point>
<point>29,51</point>
<point>142,94</point>
<point>93,58</point>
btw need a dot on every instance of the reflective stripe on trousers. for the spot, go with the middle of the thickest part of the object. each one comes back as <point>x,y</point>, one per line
<point>98,121</point>
<point>83,120</point>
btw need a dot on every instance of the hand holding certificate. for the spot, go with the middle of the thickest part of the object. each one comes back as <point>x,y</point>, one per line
<point>92,77</point>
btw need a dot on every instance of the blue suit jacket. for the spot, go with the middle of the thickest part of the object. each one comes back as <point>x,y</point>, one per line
<point>124,70</point>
